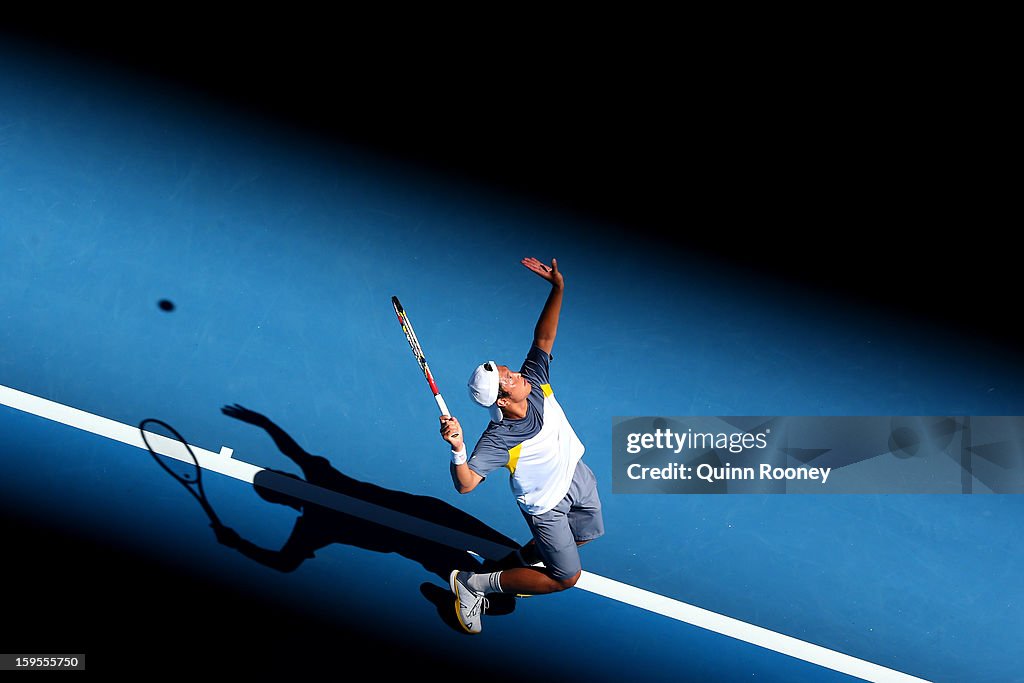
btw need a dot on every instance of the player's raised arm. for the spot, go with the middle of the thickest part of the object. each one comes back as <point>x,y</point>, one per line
<point>547,324</point>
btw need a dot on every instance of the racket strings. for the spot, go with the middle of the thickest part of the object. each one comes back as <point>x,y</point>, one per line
<point>414,343</point>
<point>186,470</point>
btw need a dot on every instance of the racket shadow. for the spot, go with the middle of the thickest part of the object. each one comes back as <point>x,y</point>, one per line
<point>338,509</point>
<point>186,472</point>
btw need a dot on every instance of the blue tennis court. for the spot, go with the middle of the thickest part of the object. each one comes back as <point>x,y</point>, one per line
<point>278,256</point>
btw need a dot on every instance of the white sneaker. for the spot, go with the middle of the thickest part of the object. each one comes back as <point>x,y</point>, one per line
<point>469,605</point>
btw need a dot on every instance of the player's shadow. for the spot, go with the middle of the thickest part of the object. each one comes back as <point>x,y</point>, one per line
<point>335,508</point>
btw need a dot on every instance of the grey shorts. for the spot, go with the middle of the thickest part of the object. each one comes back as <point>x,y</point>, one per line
<point>574,520</point>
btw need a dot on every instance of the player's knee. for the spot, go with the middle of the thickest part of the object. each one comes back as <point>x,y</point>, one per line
<point>569,582</point>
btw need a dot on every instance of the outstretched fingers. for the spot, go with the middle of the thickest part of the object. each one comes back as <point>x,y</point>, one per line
<point>542,269</point>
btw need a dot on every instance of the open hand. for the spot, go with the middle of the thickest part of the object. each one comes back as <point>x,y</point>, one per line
<point>244,414</point>
<point>549,273</point>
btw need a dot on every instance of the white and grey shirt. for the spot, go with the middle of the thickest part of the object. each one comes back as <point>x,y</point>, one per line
<point>540,450</point>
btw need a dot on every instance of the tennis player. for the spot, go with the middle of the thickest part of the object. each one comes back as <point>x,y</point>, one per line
<point>528,434</point>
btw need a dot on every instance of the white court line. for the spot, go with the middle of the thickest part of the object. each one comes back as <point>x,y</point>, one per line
<point>223,463</point>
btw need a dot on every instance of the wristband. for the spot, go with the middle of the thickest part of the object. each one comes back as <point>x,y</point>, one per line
<point>459,457</point>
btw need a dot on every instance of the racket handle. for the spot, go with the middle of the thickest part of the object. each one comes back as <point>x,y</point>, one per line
<point>443,407</point>
<point>441,404</point>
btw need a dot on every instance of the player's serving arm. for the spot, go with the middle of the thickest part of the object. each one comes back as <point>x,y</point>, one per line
<point>528,434</point>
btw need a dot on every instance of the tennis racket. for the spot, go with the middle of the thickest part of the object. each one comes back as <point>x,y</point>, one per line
<point>417,351</point>
<point>188,473</point>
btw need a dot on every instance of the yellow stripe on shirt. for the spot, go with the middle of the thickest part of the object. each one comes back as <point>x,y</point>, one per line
<point>513,453</point>
<point>513,458</point>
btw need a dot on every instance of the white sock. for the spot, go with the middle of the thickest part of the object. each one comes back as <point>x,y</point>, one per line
<point>485,583</point>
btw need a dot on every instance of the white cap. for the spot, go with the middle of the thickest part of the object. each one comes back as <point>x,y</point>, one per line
<point>483,388</point>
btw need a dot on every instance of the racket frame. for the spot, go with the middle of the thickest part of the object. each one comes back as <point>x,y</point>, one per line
<point>198,492</point>
<point>417,352</point>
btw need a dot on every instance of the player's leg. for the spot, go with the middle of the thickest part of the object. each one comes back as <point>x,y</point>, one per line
<point>554,546</point>
<point>557,549</point>
<point>585,517</point>
<point>585,521</point>
<point>550,544</point>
